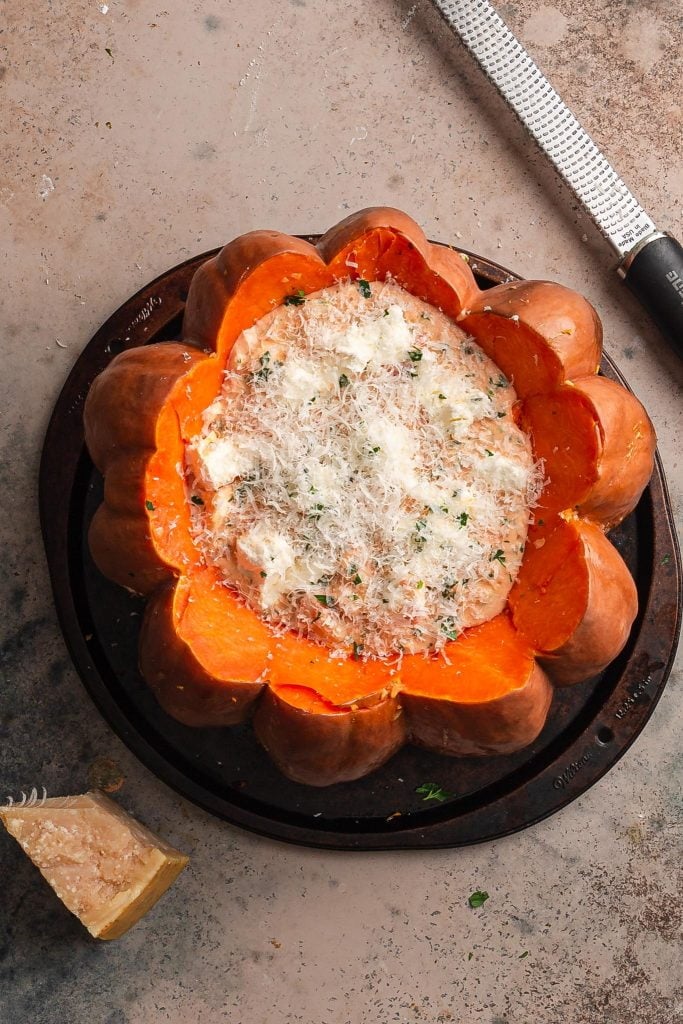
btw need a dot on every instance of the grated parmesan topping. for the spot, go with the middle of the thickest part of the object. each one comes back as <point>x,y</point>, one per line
<point>360,479</point>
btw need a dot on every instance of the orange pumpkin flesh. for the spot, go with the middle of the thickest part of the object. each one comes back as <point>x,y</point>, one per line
<point>133,417</point>
<point>597,446</point>
<point>574,599</point>
<point>211,661</point>
<point>491,698</point>
<point>202,652</point>
<point>539,333</point>
<point>318,745</point>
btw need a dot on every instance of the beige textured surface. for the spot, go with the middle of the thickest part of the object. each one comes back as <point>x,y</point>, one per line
<point>134,138</point>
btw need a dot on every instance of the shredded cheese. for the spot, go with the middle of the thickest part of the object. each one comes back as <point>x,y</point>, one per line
<point>363,481</point>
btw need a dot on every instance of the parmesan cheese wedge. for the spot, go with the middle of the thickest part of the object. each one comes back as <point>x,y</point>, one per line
<point>105,867</point>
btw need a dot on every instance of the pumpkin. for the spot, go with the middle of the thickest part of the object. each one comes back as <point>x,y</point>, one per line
<point>212,661</point>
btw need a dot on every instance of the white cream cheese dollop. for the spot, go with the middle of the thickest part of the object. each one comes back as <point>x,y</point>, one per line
<point>363,480</point>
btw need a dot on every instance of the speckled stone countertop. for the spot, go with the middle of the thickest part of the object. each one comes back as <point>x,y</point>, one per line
<point>136,134</point>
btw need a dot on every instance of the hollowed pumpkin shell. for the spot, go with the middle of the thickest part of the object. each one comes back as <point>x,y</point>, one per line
<point>211,661</point>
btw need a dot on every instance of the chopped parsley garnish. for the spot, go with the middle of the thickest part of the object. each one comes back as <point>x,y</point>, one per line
<point>297,299</point>
<point>343,381</point>
<point>386,312</point>
<point>149,505</point>
<point>364,288</point>
<point>477,899</point>
<point>316,512</point>
<point>463,518</point>
<point>498,556</point>
<point>325,600</point>
<point>432,791</point>
<point>356,579</point>
<point>526,951</point>
<point>415,355</point>
<point>488,452</point>
<point>448,590</point>
<point>442,397</point>
<point>242,490</point>
<point>196,500</point>
<point>263,574</point>
<point>448,628</point>
<point>419,536</point>
<point>502,381</point>
<point>265,368</point>
<point>419,585</point>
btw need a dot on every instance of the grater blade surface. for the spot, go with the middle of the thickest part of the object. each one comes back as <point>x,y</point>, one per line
<point>571,150</point>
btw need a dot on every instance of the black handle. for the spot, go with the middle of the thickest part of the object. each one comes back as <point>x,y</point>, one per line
<point>654,273</point>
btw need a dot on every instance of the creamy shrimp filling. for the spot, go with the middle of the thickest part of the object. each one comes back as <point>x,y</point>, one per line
<point>360,478</point>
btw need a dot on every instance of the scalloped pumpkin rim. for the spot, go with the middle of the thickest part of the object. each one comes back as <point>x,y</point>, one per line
<point>325,720</point>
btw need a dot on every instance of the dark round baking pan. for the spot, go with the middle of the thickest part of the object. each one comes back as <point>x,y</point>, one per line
<point>589,727</point>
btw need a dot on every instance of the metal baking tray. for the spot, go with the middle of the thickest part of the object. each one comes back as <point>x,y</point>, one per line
<point>590,725</point>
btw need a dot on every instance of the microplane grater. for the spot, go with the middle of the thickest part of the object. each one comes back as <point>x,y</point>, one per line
<point>651,261</point>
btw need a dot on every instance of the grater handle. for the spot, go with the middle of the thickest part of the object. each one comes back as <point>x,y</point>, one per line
<point>654,273</point>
